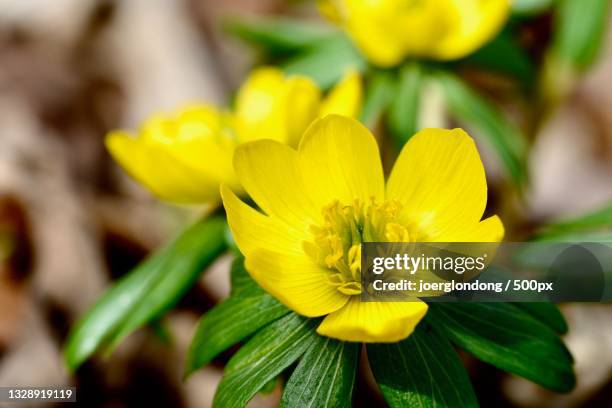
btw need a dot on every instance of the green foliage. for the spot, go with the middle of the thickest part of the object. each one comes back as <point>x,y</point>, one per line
<point>576,236</point>
<point>509,338</point>
<point>279,35</point>
<point>269,387</point>
<point>239,277</point>
<point>327,61</point>
<point>579,31</point>
<point>264,357</point>
<point>547,313</point>
<point>531,7</point>
<point>505,55</point>
<point>403,113</point>
<point>147,292</point>
<point>247,310</point>
<point>379,93</point>
<point>594,226</point>
<point>324,377</point>
<point>472,110</point>
<point>315,50</point>
<point>421,371</point>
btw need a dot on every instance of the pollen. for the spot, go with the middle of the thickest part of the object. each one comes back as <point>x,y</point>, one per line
<point>336,243</point>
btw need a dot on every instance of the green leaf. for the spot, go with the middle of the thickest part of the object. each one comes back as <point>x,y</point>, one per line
<point>579,30</point>
<point>265,356</point>
<point>327,61</point>
<point>474,111</point>
<point>147,292</point>
<point>242,314</point>
<point>421,371</point>
<point>575,236</point>
<point>403,114</point>
<point>547,313</point>
<point>509,338</point>
<point>578,34</point>
<point>505,55</point>
<point>279,34</point>
<point>531,7</point>
<point>378,95</point>
<point>269,387</point>
<point>597,220</point>
<point>239,277</point>
<point>161,331</point>
<point>325,376</point>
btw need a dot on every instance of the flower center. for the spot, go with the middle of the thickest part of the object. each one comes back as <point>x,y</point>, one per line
<point>336,244</point>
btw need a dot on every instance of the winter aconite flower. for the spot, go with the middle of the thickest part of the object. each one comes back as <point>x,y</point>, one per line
<point>185,156</point>
<point>387,31</point>
<point>322,201</point>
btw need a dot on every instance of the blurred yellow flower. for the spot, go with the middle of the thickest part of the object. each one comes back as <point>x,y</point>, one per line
<point>185,156</point>
<point>323,200</point>
<point>387,31</point>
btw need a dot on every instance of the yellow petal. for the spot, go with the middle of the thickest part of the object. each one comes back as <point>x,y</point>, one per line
<point>430,19</point>
<point>487,230</point>
<point>295,281</point>
<point>259,114</point>
<point>477,22</point>
<point>329,10</point>
<point>387,31</point>
<point>380,44</point>
<point>345,98</point>
<point>199,136</point>
<point>440,180</point>
<point>269,172</point>
<point>301,101</point>
<point>253,230</point>
<point>373,322</point>
<point>191,121</point>
<point>160,171</point>
<point>339,160</point>
<point>159,128</point>
<point>270,106</point>
<point>276,261</point>
<point>208,156</point>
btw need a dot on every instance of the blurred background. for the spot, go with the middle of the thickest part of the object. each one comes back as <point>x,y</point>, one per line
<point>71,221</point>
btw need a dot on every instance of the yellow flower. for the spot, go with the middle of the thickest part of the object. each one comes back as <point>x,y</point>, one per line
<point>387,31</point>
<point>184,157</point>
<point>323,200</point>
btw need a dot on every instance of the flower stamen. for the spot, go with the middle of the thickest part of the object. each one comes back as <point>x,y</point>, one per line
<point>336,244</point>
